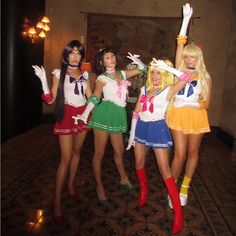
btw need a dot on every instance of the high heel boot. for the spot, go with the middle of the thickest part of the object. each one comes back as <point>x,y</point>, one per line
<point>178,211</point>
<point>141,175</point>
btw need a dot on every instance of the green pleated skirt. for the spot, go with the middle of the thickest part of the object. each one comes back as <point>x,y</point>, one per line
<point>109,117</point>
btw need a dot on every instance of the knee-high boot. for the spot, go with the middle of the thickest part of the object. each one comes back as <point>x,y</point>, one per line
<point>141,175</point>
<point>178,211</point>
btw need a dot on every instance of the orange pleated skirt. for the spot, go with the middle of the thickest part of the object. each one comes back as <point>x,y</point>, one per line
<point>188,120</point>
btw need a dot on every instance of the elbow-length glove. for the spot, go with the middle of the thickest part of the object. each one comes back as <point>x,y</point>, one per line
<point>131,141</point>
<point>91,103</point>
<point>47,94</point>
<point>179,74</point>
<point>187,13</point>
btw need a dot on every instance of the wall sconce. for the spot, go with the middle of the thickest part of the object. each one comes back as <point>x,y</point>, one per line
<point>86,66</point>
<point>38,31</point>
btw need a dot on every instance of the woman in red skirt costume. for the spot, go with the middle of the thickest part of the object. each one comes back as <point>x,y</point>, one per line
<point>70,90</point>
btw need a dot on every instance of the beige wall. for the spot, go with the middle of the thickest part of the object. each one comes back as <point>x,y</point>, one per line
<point>228,114</point>
<point>212,30</point>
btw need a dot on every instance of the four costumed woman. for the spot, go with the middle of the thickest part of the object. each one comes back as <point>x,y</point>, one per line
<point>187,96</point>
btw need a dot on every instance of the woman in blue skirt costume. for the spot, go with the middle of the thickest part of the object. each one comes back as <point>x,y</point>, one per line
<point>149,129</point>
<point>109,119</point>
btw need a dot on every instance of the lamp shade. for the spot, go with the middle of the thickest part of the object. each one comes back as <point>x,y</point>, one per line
<point>45,19</point>
<point>32,31</point>
<point>86,66</point>
<point>46,27</point>
<point>42,34</point>
<point>39,25</point>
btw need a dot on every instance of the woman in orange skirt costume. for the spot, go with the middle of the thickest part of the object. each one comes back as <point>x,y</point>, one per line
<point>187,117</point>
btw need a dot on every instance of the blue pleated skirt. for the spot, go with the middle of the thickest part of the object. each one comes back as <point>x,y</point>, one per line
<point>153,134</point>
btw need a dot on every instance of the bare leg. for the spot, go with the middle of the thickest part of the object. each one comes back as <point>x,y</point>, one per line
<point>140,153</point>
<point>100,142</point>
<point>118,146</point>
<point>162,159</point>
<point>65,142</point>
<point>180,149</point>
<point>78,141</point>
<point>194,142</point>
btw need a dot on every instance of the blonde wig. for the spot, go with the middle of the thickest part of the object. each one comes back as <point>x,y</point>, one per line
<point>192,50</point>
<point>167,78</point>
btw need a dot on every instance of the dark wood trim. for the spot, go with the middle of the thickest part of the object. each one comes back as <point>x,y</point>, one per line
<point>225,137</point>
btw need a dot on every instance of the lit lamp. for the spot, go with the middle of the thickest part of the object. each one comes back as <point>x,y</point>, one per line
<point>36,32</point>
<point>86,66</point>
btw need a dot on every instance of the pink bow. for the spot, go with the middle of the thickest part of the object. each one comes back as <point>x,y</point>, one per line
<point>144,99</point>
<point>125,84</point>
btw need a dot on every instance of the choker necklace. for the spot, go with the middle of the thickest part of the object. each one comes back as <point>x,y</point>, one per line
<point>110,70</point>
<point>191,69</point>
<point>70,66</point>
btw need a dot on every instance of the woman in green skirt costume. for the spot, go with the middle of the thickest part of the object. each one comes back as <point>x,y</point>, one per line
<point>109,119</point>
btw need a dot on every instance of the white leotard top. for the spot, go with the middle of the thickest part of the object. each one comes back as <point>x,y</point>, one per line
<point>71,98</point>
<point>159,102</point>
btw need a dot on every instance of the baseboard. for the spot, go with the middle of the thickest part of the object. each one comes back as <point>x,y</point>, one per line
<point>225,137</point>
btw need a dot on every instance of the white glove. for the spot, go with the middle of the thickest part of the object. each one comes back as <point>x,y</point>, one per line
<point>136,61</point>
<point>187,13</point>
<point>85,75</point>
<point>131,141</point>
<point>40,72</point>
<point>85,114</point>
<point>162,65</point>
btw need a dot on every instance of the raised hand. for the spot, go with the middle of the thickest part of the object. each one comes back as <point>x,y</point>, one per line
<point>162,65</point>
<point>159,63</point>
<point>135,60</point>
<point>187,11</point>
<point>40,72</point>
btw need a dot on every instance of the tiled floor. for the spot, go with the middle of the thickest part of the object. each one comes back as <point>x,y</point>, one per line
<point>29,163</point>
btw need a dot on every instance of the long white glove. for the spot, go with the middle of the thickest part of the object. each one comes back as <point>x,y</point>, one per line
<point>162,65</point>
<point>136,61</point>
<point>187,13</point>
<point>85,114</point>
<point>131,141</point>
<point>40,72</point>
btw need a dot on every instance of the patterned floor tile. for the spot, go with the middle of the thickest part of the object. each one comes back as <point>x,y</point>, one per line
<point>27,199</point>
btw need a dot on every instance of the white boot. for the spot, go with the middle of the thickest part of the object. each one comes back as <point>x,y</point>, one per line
<point>182,197</point>
<point>169,201</point>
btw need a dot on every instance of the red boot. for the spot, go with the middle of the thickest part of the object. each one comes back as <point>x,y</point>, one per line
<point>141,175</point>
<point>178,212</point>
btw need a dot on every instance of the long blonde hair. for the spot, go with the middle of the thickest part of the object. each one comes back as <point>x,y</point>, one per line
<point>193,50</point>
<point>167,78</point>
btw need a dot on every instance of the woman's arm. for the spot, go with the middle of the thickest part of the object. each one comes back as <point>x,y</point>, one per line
<point>182,38</point>
<point>132,73</point>
<point>175,89</point>
<point>208,99</point>
<point>98,88</point>
<point>54,89</point>
<point>88,89</point>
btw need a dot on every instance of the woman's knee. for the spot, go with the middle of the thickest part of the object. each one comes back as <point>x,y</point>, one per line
<point>98,155</point>
<point>76,151</point>
<point>192,152</point>
<point>65,160</point>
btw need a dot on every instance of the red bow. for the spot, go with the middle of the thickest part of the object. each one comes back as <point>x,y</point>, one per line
<point>144,99</point>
